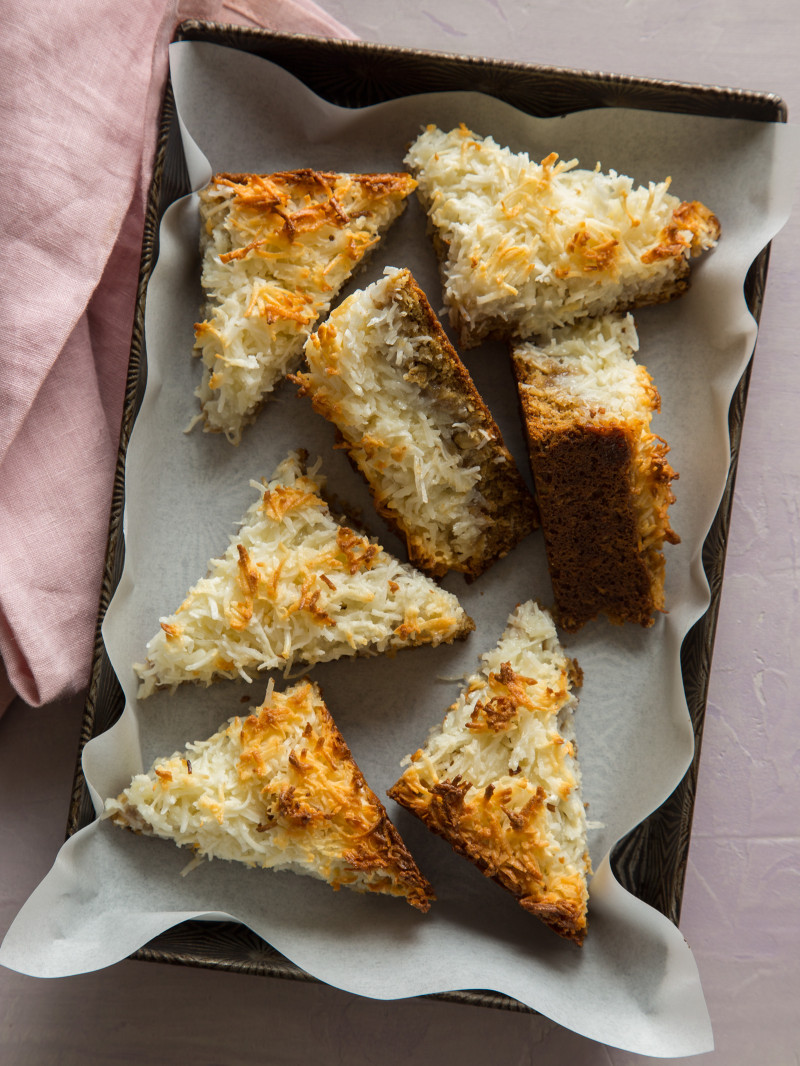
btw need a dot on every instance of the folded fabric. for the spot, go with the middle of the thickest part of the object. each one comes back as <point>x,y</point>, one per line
<point>83,84</point>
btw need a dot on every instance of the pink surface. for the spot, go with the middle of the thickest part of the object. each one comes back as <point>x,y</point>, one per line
<point>743,880</point>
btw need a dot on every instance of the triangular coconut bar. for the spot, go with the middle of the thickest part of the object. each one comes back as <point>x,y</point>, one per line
<point>296,586</point>
<point>280,790</point>
<point>277,248</point>
<point>383,371</point>
<point>526,247</point>
<point>500,781</point>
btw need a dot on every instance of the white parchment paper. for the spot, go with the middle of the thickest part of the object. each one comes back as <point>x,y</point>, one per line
<point>634,984</point>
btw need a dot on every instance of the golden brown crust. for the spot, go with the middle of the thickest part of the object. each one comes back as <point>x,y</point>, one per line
<point>588,470</point>
<point>317,198</point>
<point>398,181</point>
<point>325,795</point>
<point>506,846</point>
<point>690,217</point>
<point>517,817</point>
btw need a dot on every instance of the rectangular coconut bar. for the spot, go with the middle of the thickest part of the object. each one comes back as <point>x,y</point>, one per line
<point>382,369</point>
<point>601,477</point>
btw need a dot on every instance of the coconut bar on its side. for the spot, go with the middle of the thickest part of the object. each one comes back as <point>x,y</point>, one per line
<point>601,477</point>
<point>383,371</point>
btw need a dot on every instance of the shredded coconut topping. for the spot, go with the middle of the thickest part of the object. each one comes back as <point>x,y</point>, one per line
<point>364,363</point>
<point>512,727</point>
<point>593,363</point>
<point>527,247</point>
<point>295,585</point>
<point>499,778</point>
<point>277,790</point>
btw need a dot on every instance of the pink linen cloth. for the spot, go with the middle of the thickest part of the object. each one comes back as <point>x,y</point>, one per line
<point>82,84</point>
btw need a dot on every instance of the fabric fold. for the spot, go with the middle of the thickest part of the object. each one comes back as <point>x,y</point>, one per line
<point>79,117</point>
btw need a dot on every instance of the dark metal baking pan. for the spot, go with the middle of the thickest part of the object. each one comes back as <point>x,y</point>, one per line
<point>651,860</point>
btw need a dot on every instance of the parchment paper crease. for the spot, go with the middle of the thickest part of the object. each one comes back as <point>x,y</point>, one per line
<point>635,983</point>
